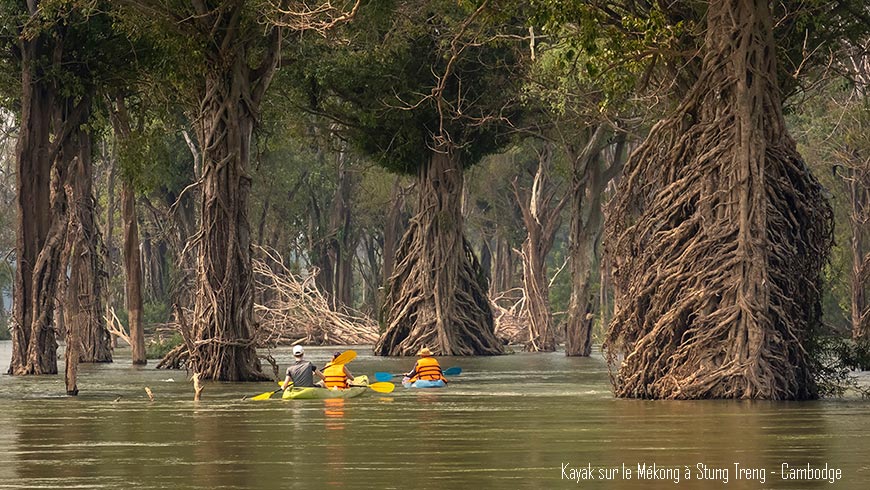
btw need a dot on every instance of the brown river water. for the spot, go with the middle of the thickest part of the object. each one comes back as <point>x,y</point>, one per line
<point>516,421</point>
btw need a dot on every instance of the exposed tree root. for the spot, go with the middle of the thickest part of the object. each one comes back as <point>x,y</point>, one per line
<point>437,297</point>
<point>718,234</point>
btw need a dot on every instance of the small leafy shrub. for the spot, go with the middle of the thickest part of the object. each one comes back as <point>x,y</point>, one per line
<point>157,348</point>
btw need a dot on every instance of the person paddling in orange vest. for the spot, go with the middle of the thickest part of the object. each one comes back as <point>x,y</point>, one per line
<point>336,375</point>
<point>426,368</point>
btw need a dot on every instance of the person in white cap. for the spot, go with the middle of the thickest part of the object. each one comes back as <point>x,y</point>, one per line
<point>301,373</point>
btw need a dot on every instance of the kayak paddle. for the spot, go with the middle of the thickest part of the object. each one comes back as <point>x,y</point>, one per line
<point>382,376</point>
<point>268,394</point>
<point>345,357</point>
<point>383,387</point>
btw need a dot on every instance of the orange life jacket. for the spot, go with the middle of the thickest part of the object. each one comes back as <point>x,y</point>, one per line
<point>427,368</point>
<point>335,377</point>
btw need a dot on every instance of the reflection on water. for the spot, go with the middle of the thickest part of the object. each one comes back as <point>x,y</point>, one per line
<point>506,422</point>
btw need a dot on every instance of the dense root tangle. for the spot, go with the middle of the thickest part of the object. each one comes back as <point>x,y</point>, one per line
<point>437,297</point>
<point>718,235</point>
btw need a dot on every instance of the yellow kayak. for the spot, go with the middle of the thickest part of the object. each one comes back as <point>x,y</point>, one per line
<point>317,393</point>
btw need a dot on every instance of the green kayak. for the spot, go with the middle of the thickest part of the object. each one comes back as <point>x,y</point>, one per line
<point>322,393</point>
<point>325,393</point>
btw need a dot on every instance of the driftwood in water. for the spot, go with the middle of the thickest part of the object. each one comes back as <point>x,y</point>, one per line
<point>511,316</point>
<point>296,311</point>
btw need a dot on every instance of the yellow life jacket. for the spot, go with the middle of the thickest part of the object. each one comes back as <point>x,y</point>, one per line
<point>335,377</point>
<point>427,368</point>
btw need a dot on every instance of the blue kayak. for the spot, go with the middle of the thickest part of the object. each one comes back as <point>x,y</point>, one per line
<point>425,383</point>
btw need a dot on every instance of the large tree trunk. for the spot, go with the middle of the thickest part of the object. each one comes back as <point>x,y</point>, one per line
<point>436,297</point>
<point>33,177</point>
<point>131,246</point>
<point>133,273</point>
<point>589,180</point>
<point>83,308</point>
<point>718,235</point>
<point>46,122</point>
<point>223,312</point>
<point>542,220</point>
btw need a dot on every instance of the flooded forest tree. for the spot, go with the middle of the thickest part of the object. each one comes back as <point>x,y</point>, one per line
<point>437,84</point>
<point>718,234</point>
<point>232,50</point>
<point>61,52</point>
<point>541,207</point>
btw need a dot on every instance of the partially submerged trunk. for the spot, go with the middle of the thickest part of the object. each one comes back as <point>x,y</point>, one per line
<point>718,234</point>
<point>223,324</point>
<point>542,220</point>
<point>47,119</point>
<point>131,246</point>
<point>83,309</point>
<point>133,273</point>
<point>436,297</point>
<point>589,179</point>
<point>37,185</point>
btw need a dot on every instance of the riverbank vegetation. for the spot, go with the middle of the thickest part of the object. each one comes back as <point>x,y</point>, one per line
<point>684,184</point>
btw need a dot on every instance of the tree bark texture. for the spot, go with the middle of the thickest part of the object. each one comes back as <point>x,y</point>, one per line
<point>436,297</point>
<point>131,246</point>
<point>343,238</point>
<point>223,324</point>
<point>589,179</point>
<point>718,234</point>
<point>133,273</point>
<point>31,324</point>
<point>83,308</point>
<point>47,118</point>
<point>542,219</point>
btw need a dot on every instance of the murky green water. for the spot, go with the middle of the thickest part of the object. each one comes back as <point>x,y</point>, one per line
<point>506,422</point>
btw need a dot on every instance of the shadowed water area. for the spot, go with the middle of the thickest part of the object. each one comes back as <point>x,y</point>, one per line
<point>506,422</point>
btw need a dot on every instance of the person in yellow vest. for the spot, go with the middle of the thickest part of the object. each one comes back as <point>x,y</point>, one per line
<point>427,368</point>
<point>336,375</point>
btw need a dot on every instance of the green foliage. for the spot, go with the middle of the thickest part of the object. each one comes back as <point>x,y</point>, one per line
<point>93,54</point>
<point>157,348</point>
<point>829,126</point>
<point>156,158</point>
<point>834,359</point>
<point>380,83</point>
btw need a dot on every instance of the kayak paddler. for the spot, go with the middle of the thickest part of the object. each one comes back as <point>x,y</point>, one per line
<point>302,372</point>
<point>427,368</point>
<point>336,375</point>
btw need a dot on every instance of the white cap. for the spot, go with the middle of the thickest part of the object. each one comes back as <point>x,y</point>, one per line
<point>298,350</point>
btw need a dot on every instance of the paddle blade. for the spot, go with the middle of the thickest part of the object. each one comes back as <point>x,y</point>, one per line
<point>383,387</point>
<point>265,396</point>
<point>345,357</point>
<point>453,371</point>
<point>382,376</point>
